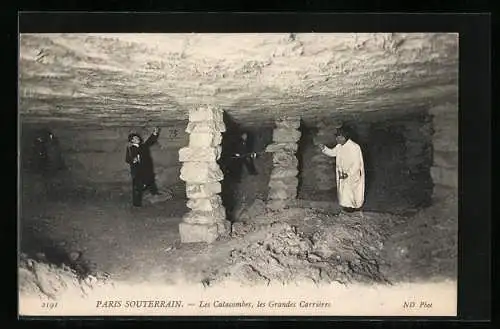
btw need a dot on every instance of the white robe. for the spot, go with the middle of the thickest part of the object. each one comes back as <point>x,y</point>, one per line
<point>349,159</point>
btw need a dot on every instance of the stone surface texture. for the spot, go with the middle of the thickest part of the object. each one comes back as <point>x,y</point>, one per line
<point>444,171</point>
<point>205,221</point>
<point>107,79</point>
<point>283,183</point>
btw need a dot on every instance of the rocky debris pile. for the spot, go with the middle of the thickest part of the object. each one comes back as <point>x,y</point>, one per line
<point>284,182</point>
<point>259,216</point>
<point>207,219</point>
<point>341,248</point>
<point>43,279</point>
<point>426,244</point>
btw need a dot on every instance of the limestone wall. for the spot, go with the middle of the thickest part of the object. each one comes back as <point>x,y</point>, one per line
<point>397,156</point>
<point>95,157</point>
<point>444,170</point>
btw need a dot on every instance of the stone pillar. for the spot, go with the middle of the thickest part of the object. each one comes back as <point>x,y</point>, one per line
<point>444,170</point>
<point>283,183</point>
<point>324,167</point>
<point>207,219</point>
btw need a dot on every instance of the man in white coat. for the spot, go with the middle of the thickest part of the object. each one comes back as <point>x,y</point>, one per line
<point>350,171</point>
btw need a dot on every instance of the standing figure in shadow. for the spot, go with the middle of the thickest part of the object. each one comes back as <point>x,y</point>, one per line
<point>47,153</point>
<point>237,157</point>
<point>141,165</point>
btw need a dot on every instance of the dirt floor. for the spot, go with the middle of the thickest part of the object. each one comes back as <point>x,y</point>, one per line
<point>100,232</point>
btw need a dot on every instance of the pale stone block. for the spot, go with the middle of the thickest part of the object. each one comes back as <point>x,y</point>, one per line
<point>282,194</point>
<point>445,176</point>
<point>200,154</point>
<point>446,143</point>
<point>277,204</point>
<point>292,123</point>
<point>275,147</point>
<point>285,159</point>
<point>203,217</point>
<point>206,127</point>
<point>284,183</point>
<point>205,113</point>
<point>279,172</point>
<point>191,233</point>
<point>205,139</point>
<point>207,204</point>
<point>196,191</point>
<point>195,217</point>
<point>281,135</point>
<point>201,172</point>
<point>445,159</point>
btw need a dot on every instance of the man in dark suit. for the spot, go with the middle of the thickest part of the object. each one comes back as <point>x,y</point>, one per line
<point>47,153</point>
<point>141,165</point>
<point>239,156</point>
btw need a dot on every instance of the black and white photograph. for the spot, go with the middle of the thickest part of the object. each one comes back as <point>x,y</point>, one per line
<point>238,174</point>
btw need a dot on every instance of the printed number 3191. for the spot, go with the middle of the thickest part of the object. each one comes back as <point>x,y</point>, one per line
<point>49,305</point>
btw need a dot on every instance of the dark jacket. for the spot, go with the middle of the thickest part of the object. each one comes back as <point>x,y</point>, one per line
<point>232,164</point>
<point>144,168</point>
<point>47,153</point>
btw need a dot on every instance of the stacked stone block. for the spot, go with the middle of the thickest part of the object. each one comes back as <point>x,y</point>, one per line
<point>444,170</point>
<point>283,181</point>
<point>206,220</point>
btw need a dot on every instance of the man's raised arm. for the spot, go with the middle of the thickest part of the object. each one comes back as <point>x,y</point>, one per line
<point>153,138</point>
<point>328,151</point>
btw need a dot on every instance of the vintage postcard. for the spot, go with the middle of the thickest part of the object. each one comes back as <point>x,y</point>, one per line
<point>238,174</point>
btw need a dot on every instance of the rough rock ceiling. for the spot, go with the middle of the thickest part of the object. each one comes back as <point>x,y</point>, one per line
<point>131,78</point>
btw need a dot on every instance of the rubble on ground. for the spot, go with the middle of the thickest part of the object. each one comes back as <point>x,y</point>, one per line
<point>319,247</point>
<point>39,278</point>
<point>426,242</point>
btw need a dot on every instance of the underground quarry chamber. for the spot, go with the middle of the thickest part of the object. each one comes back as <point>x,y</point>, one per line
<point>396,93</point>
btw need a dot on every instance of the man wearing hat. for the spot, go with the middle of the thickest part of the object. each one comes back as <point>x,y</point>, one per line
<point>141,165</point>
<point>350,171</point>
